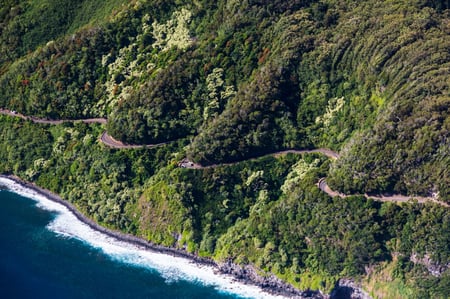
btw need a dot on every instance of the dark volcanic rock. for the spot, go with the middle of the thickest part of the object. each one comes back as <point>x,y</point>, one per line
<point>348,289</point>
<point>270,283</point>
<point>433,267</point>
<point>345,288</point>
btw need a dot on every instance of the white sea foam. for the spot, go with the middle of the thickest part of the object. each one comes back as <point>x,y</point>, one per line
<point>171,268</point>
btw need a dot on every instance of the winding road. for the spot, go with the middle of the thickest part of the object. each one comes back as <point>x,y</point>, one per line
<point>105,138</point>
<point>185,163</point>
<point>111,142</point>
<point>51,121</point>
<point>322,184</point>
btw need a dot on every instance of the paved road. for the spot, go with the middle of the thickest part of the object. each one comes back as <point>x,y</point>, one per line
<point>105,138</point>
<point>185,163</point>
<point>111,142</point>
<point>322,184</point>
<point>324,151</point>
<point>52,121</point>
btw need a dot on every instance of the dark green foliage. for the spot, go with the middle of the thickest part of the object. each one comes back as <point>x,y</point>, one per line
<point>252,124</point>
<point>26,25</point>
<point>308,230</point>
<point>68,160</point>
<point>287,63</point>
<point>60,80</point>
<point>214,199</point>
<point>439,5</point>
<point>231,81</point>
<point>21,144</point>
<point>406,150</point>
<point>65,76</point>
<point>162,109</point>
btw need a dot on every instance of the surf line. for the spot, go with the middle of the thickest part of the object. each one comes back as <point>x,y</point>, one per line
<point>170,263</point>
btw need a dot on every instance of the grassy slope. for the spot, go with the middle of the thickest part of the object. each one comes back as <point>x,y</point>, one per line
<point>26,25</point>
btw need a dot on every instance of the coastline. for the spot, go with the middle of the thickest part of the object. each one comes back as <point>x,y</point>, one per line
<point>245,275</point>
<point>109,232</point>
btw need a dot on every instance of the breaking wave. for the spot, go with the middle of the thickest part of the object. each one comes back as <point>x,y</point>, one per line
<point>171,268</point>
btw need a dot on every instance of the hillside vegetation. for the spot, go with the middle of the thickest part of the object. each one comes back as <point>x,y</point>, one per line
<point>228,81</point>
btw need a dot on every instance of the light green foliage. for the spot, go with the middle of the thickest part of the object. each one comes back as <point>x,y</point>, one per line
<point>129,64</point>
<point>334,106</point>
<point>38,165</point>
<point>87,139</point>
<point>218,93</point>
<point>162,215</point>
<point>226,82</point>
<point>29,24</point>
<point>254,176</point>
<point>61,142</point>
<point>121,66</point>
<point>175,32</point>
<point>298,172</point>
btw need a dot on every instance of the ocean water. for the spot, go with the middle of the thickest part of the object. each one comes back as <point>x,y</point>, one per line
<point>46,252</point>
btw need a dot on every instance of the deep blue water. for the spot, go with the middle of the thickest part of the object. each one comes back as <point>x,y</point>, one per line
<point>36,262</point>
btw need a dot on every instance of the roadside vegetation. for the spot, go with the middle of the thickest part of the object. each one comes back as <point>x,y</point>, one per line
<point>228,81</point>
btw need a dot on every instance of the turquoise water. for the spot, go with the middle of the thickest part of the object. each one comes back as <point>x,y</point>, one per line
<point>41,256</point>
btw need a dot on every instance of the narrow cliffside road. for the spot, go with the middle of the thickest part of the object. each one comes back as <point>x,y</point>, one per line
<point>185,163</point>
<point>51,121</point>
<point>111,142</point>
<point>105,138</point>
<point>322,184</point>
<point>324,151</point>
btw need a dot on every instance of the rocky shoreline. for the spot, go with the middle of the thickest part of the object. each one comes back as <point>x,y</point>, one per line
<point>270,284</point>
<point>111,233</point>
<point>247,274</point>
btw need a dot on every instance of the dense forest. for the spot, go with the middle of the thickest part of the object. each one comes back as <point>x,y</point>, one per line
<point>226,84</point>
